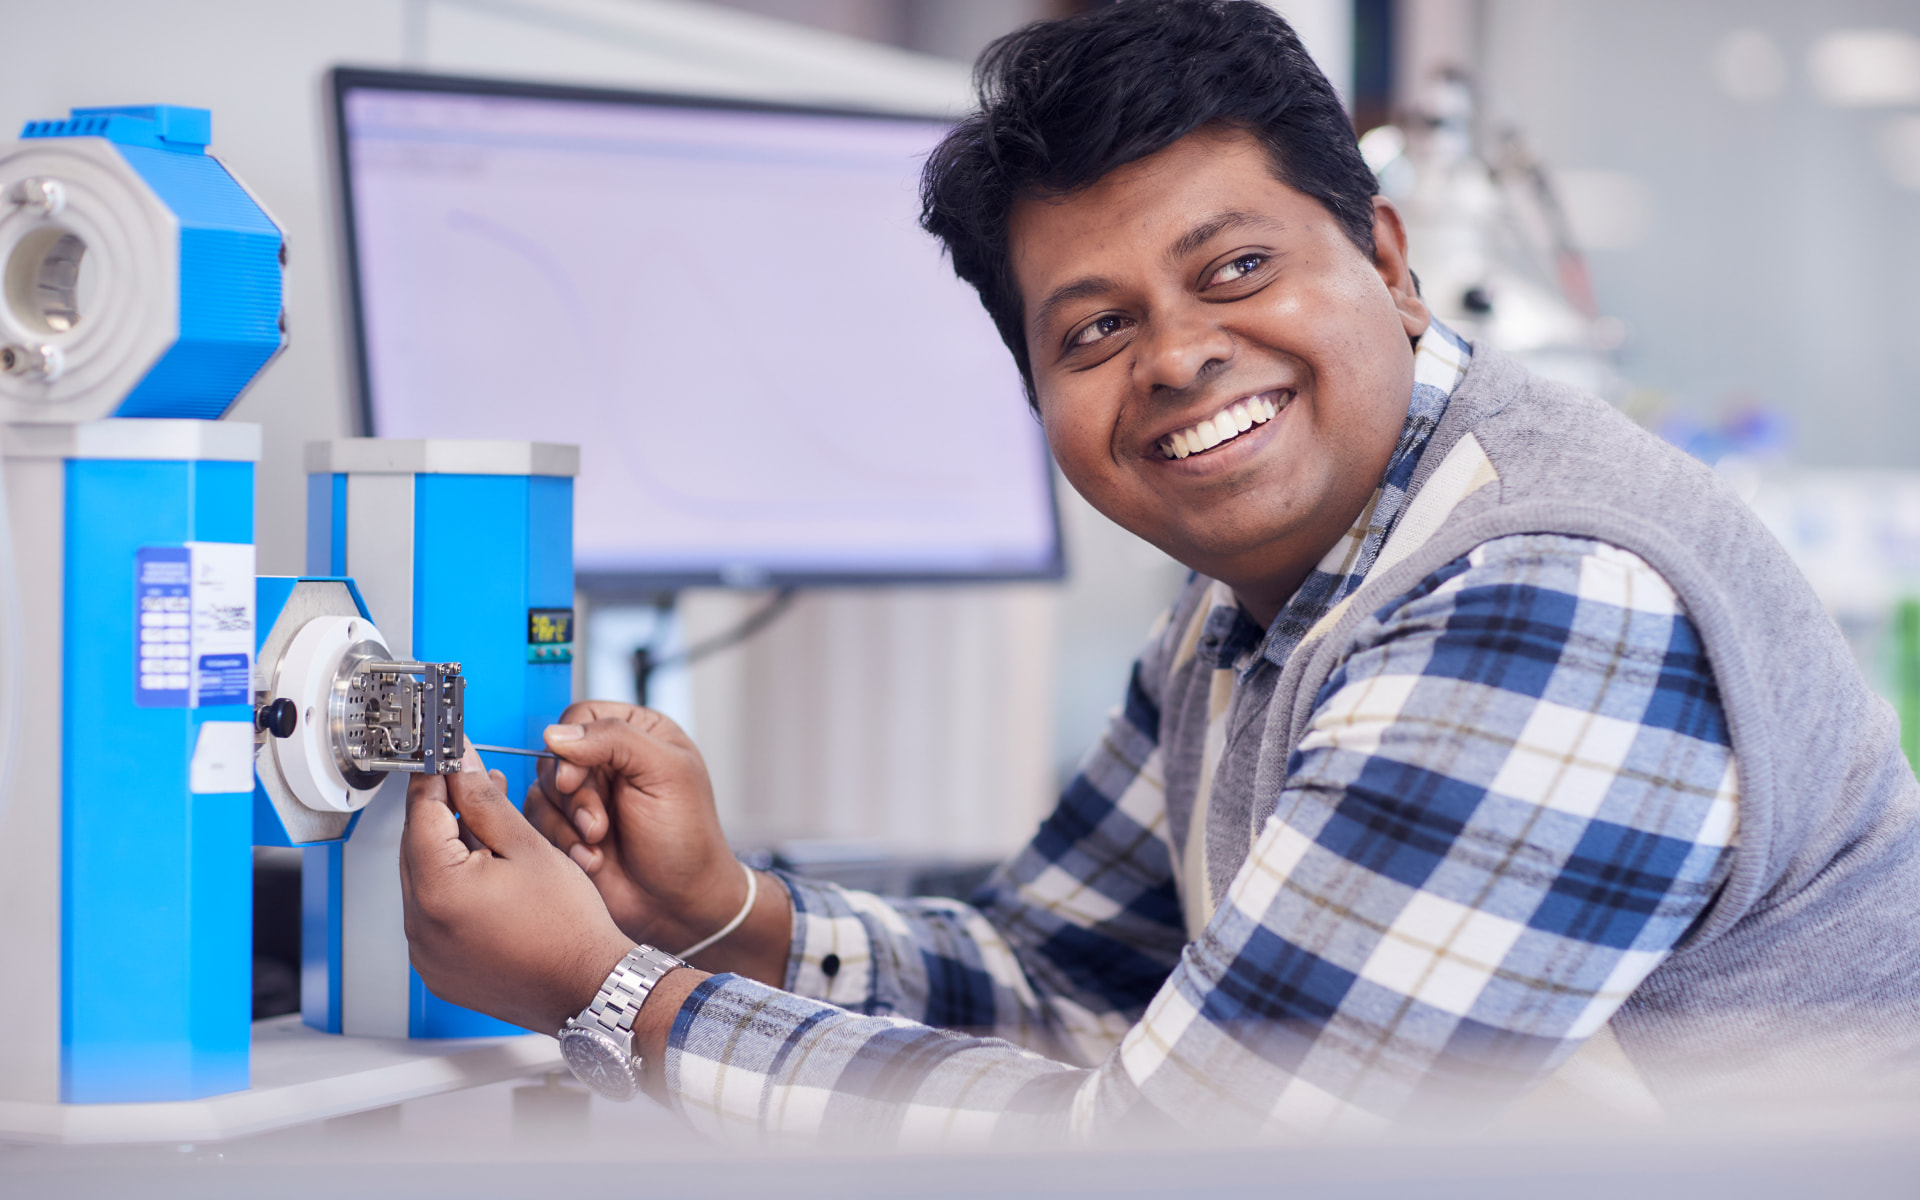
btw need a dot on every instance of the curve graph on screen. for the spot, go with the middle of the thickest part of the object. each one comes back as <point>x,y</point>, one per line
<point>766,364</point>
<point>720,494</point>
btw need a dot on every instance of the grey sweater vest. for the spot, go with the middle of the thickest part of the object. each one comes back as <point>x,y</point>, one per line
<point>1809,960</point>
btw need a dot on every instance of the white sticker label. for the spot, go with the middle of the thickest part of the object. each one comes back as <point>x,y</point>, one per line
<point>222,758</point>
<point>222,600</point>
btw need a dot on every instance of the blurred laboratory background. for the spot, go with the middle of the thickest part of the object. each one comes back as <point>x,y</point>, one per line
<point>1703,211</point>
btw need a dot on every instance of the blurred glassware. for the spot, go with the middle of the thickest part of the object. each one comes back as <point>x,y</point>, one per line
<point>1491,241</point>
<point>1865,68</point>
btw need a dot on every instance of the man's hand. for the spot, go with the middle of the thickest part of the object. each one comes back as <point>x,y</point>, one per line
<point>497,919</point>
<point>629,800</point>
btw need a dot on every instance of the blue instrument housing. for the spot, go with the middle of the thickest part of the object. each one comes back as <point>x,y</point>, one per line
<point>231,310</point>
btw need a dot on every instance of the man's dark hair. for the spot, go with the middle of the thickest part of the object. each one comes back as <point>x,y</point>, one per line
<point>1062,103</point>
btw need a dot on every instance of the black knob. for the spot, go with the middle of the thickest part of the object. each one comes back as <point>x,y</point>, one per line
<point>279,718</point>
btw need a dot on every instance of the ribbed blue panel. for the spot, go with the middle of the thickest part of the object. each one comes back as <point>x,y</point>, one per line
<point>162,126</point>
<point>156,883</point>
<point>230,288</point>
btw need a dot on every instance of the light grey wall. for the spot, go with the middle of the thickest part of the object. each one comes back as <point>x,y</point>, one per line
<point>1779,256</point>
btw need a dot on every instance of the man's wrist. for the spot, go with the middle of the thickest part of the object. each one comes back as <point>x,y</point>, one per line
<point>595,967</point>
<point>653,1024</point>
<point>758,949</point>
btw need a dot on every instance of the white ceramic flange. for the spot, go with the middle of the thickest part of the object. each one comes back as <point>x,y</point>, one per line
<point>131,315</point>
<point>306,676</point>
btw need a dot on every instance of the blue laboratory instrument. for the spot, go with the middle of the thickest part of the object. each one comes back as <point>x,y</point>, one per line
<point>142,294</point>
<point>162,708</point>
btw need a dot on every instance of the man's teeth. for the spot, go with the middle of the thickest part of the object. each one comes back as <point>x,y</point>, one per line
<point>1223,426</point>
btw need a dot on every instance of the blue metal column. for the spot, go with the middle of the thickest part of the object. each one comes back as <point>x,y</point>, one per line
<point>156,896</point>
<point>490,587</point>
<point>471,606</point>
<point>320,865</point>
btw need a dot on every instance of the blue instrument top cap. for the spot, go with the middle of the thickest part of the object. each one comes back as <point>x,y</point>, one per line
<point>159,126</point>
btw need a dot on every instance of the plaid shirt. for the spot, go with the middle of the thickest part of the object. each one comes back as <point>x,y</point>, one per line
<point>1513,800</point>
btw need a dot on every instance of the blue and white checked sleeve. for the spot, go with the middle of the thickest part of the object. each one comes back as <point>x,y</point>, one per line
<point>1065,944</point>
<point>1515,797</point>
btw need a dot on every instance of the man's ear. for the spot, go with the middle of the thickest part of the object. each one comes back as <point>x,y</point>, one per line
<point>1390,259</point>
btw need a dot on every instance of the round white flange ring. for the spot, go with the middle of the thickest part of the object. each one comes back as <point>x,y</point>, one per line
<point>93,282</point>
<point>305,676</point>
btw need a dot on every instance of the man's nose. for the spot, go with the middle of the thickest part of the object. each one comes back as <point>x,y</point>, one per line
<point>1177,350</point>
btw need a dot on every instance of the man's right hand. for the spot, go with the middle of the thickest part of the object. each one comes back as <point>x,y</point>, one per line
<point>629,800</point>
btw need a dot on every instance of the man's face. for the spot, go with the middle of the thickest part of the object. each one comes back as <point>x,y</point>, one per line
<point>1219,368</point>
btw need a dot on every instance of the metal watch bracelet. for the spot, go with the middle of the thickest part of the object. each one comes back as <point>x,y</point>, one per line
<point>598,1044</point>
<point>619,999</point>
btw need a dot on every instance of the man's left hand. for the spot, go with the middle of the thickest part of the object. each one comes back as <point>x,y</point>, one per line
<point>497,919</point>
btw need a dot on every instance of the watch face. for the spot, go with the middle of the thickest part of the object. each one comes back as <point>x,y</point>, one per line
<point>599,1062</point>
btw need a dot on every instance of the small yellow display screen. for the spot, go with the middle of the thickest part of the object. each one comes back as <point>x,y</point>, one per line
<point>549,635</point>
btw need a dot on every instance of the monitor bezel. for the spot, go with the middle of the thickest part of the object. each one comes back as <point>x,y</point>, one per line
<point>615,585</point>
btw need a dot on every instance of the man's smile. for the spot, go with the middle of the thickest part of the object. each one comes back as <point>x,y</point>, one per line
<point>1224,426</point>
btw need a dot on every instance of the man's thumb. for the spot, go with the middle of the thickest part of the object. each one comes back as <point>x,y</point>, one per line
<point>485,810</point>
<point>620,746</point>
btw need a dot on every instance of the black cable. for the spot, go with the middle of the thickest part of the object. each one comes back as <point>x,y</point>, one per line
<point>645,664</point>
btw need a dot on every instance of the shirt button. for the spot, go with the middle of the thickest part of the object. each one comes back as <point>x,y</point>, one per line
<point>830,965</point>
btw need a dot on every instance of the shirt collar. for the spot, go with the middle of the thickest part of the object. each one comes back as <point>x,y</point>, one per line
<point>1440,359</point>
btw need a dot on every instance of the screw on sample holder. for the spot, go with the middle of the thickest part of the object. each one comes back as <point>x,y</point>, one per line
<point>279,718</point>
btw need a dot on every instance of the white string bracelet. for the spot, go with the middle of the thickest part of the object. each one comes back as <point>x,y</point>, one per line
<point>739,918</point>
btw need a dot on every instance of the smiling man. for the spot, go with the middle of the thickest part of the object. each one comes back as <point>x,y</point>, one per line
<point>1492,745</point>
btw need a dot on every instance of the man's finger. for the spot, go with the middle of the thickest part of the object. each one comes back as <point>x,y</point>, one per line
<point>554,825</point>
<point>621,747</point>
<point>587,809</point>
<point>545,817</point>
<point>561,777</point>
<point>485,810</point>
<point>430,836</point>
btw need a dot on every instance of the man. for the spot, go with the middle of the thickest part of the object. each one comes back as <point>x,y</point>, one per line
<point>1489,732</point>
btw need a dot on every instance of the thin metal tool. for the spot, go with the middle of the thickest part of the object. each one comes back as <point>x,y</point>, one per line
<point>514,750</point>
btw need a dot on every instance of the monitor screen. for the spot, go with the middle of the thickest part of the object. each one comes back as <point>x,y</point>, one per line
<point>770,370</point>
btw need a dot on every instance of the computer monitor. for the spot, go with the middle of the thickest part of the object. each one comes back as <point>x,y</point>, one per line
<point>772,374</point>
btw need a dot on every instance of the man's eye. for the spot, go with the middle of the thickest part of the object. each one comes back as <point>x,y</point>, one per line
<point>1100,328</point>
<point>1239,268</point>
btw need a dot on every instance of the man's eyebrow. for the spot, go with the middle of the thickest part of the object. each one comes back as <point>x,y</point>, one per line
<point>1217,224</point>
<point>1079,289</point>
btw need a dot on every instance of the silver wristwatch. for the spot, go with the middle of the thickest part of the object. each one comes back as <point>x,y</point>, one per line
<point>597,1045</point>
